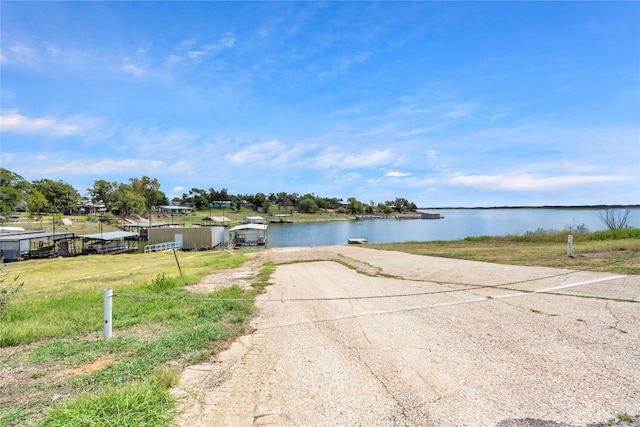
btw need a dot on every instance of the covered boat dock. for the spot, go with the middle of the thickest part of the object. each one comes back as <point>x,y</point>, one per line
<point>36,244</point>
<point>248,235</point>
<point>114,242</point>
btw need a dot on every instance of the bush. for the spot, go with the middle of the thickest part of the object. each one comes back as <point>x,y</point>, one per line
<point>164,284</point>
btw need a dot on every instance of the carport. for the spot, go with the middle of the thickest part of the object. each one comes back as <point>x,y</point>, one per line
<point>36,244</point>
<point>114,242</point>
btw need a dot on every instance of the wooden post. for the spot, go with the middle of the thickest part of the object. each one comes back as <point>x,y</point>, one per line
<point>570,246</point>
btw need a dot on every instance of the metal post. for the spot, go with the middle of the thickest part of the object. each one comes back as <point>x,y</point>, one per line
<point>108,301</point>
<point>570,246</point>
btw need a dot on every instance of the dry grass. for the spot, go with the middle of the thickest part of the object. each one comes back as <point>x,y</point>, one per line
<point>617,255</point>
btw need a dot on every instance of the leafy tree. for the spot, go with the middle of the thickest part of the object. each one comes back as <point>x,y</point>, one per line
<point>197,197</point>
<point>354,206</point>
<point>308,205</point>
<point>13,190</point>
<point>128,202</point>
<point>36,202</point>
<point>103,191</point>
<point>149,189</point>
<point>60,195</point>
<point>402,205</point>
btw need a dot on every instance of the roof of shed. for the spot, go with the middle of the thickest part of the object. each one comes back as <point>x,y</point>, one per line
<point>217,218</point>
<point>112,235</point>
<point>249,227</point>
<point>37,235</point>
<point>147,224</point>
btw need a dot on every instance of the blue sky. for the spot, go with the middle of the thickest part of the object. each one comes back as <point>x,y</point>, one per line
<point>445,104</point>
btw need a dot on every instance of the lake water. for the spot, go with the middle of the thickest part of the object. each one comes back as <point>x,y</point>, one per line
<point>456,224</point>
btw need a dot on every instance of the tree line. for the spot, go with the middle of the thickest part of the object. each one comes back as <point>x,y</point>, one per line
<point>140,195</point>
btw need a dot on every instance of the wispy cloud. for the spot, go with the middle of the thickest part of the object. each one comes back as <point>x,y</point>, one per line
<point>17,53</point>
<point>397,174</point>
<point>132,69</point>
<point>264,154</point>
<point>196,52</point>
<point>346,62</point>
<point>14,122</point>
<point>59,164</point>
<point>332,158</point>
<point>514,183</point>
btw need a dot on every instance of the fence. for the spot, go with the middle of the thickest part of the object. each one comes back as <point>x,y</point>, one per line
<point>161,247</point>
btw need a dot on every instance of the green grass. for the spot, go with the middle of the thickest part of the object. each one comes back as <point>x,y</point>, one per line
<point>51,344</point>
<point>137,404</point>
<point>51,335</point>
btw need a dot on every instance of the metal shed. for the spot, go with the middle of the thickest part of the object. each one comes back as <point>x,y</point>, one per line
<point>189,238</point>
<point>142,228</point>
<point>36,244</point>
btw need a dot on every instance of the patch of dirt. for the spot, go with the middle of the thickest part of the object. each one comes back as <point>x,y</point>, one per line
<point>247,273</point>
<point>101,363</point>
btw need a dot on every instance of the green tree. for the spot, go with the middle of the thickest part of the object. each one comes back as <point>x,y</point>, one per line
<point>103,191</point>
<point>128,202</point>
<point>13,190</point>
<point>354,206</point>
<point>62,197</point>
<point>36,202</point>
<point>308,205</point>
<point>197,197</point>
<point>149,189</point>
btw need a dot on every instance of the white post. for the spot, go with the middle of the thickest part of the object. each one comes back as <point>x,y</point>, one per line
<point>108,301</point>
<point>570,246</point>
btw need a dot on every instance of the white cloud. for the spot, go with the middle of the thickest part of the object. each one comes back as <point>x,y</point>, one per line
<point>347,62</point>
<point>196,55</point>
<point>266,153</point>
<point>173,59</point>
<point>459,111</point>
<point>17,53</point>
<point>49,166</point>
<point>331,158</point>
<point>197,52</point>
<point>488,183</point>
<point>396,174</point>
<point>14,122</point>
<point>132,69</point>
<point>226,42</point>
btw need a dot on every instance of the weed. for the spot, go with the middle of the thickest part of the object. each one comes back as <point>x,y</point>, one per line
<point>148,403</point>
<point>8,288</point>
<point>12,416</point>
<point>623,416</point>
<point>163,284</point>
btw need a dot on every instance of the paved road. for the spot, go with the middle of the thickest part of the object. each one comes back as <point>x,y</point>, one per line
<point>435,342</point>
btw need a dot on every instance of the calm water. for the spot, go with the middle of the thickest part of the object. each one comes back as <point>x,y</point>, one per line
<point>457,224</point>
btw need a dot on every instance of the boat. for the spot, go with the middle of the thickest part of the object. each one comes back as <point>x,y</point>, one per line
<point>357,240</point>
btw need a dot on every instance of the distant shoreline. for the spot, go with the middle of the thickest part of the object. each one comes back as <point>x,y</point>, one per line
<point>539,207</point>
